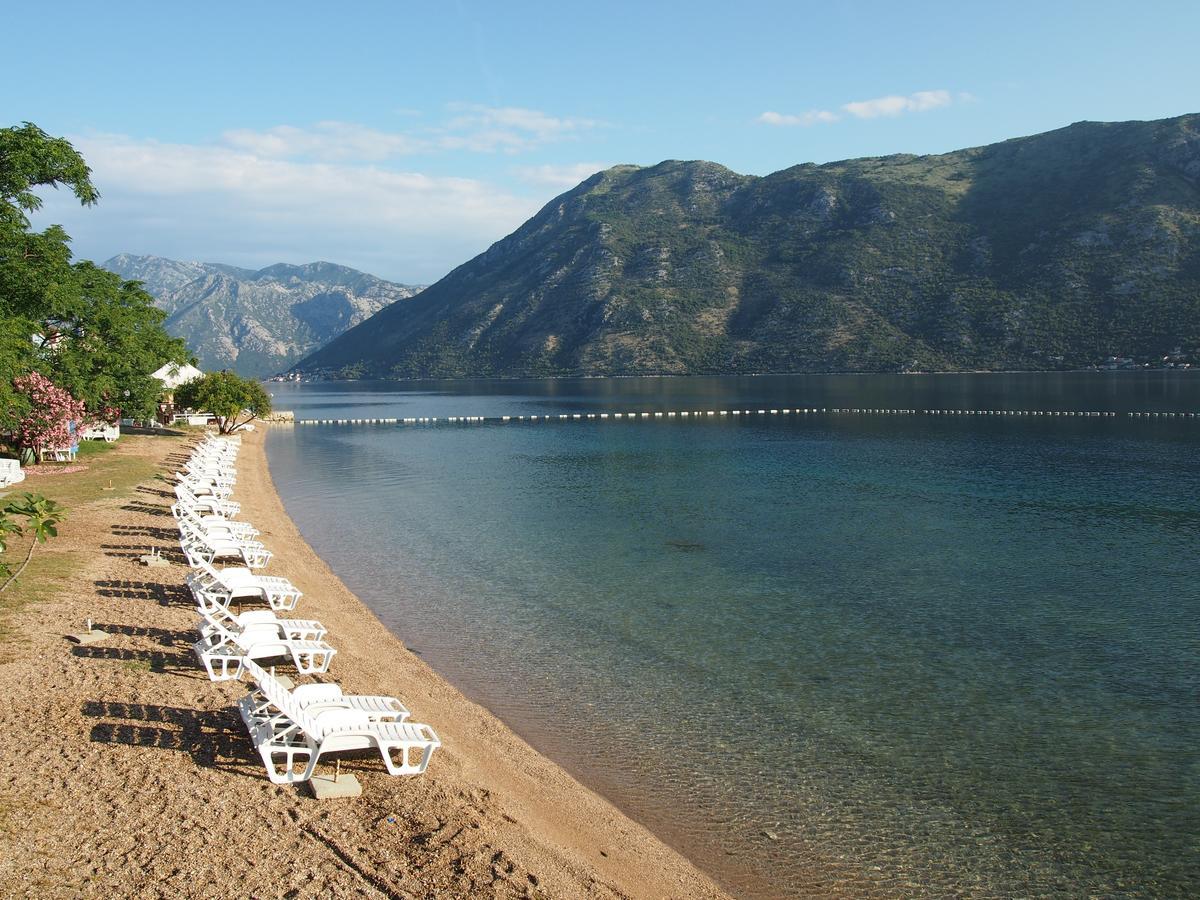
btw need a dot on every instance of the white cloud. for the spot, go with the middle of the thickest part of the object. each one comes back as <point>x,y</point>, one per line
<point>467,127</point>
<point>894,105</point>
<point>558,176</point>
<point>890,106</point>
<point>508,128</point>
<point>326,141</point>
<point>230,203</point>
<point>812,117</point>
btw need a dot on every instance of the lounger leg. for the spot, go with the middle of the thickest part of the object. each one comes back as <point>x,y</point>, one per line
<point>405,767</point>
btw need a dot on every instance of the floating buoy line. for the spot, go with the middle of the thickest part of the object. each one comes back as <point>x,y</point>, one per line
<point>739,413</point>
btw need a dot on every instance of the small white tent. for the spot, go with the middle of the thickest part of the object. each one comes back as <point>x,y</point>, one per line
<point>172,375</point>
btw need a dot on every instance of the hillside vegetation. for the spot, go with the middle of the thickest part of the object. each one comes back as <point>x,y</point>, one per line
<point>1049,251</point>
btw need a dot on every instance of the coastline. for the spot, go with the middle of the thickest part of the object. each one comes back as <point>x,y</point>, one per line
<point>143,759</point>
<point>555,816</point>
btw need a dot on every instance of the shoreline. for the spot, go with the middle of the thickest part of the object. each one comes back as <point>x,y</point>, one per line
<point>568,814</point>
<point>133,776</point>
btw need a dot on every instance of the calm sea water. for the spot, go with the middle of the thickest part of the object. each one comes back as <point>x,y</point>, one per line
<point>896,655</point>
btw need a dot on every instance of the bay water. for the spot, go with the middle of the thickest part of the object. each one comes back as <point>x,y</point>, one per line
<point>882,655</point>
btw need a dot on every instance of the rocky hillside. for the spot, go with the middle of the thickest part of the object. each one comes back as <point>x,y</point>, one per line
<point>1048,251</point>
<point>258,323</point>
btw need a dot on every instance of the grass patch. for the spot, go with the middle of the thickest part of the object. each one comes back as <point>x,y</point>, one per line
<point>123,465</point>
<point>89,449</point>
<point>44,578</point>
<point>123,470</point>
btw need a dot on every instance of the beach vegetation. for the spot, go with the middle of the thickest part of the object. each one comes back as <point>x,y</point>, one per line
<point>233,400</point>
<point>31,515</point>
<point>87,330</point>
<point>50,414</point>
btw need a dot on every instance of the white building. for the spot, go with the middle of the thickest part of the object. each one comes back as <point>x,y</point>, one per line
<point>172,375</point>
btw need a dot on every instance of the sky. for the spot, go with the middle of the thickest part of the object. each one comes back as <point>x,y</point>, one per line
<point>404,138</point>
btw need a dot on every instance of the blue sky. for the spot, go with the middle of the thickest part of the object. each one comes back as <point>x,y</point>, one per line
<point>404,138</point>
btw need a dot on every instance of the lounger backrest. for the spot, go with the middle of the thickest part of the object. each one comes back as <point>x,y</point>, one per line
<point>221,619</point>
<point>221,630</point>
<point>279,697</point>
<point>188,515</point>
<point>195,537</point>
<point>199,535</point>
<point>212,573</point>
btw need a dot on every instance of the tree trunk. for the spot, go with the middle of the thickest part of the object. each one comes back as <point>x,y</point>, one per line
<point>21,568</point>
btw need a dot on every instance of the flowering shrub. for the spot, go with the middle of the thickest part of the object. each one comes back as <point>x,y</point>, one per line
<point>52,413</point>
<point>104,415</point>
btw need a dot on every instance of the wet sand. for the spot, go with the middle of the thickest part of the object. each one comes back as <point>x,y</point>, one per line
<point>124,771</point>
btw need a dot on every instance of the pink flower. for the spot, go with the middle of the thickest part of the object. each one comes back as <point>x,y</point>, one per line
<point>53,414</point>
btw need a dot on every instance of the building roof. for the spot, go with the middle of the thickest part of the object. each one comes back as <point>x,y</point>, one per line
<point>172,375</point>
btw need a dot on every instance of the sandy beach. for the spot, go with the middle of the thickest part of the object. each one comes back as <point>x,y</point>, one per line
<point>126,772</point>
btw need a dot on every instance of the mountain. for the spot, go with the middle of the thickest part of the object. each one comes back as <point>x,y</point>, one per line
<point>1048,251</point>
<point>258,322</point>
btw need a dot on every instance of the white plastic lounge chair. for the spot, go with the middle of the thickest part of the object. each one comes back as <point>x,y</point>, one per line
<point>207,504</point>
<point>221,475</point>
<point>10,472</point>
<point>204,488</point>
<point>214,587</point>
<point>199,545</point>
<point>213,525</point>
<point>235,623</point>
<point>224,653</point>
<point>294,734</point>
<point>101,432</point>
<point>255,709</point>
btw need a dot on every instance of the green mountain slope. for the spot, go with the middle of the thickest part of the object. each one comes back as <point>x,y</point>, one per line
<point>1048,251</point>
<point>258,322</point>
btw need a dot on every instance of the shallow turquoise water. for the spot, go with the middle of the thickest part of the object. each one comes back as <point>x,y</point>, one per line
<point>900,655</point>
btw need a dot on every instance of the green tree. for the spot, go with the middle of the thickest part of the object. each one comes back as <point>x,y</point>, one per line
<point>42,518</point>
<point>87,329</point>
<point>111,339</point>
<point>227,396</point>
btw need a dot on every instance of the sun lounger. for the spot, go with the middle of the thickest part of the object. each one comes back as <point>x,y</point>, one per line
<point>295,735</point>
<point>235,623</point>
<point>203,487</point>
<point>10,472</point>
<point>213,587</point>
<point>221,475</point>
<point>209,503</point>
<point>255,709</point>
<point>198,545</point>
<point>102,432</point>
<point>214,525</point>
<point>224,653</point>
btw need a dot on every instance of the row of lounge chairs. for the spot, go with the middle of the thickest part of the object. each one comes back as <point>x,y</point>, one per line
<point>292,728</point>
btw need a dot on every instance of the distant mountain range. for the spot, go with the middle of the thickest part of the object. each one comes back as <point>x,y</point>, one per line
<point>1049,251</point>
<point>258,322</point>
